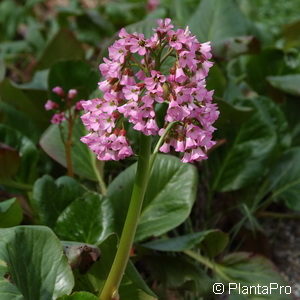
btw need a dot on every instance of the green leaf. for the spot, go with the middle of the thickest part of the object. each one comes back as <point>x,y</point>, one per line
<point>29,101</point>
<point>83,160</point>
<point>176,272</point>
<point>80,296</point>
<point>284,179</point>
<point>63,46</point>
<point>146,25</point>
<point>9,161</point>
<point>287,83</point>
<point>18,120</point>
<point>171,192</point>
<point>132,284</point>
<point>217,20</point>
<point>73,74</point>
<point>249,269</point>
<point>270,62</point>
<point>35,263</point>
<point>88,219</point>
<point>50,198</point>
<point>2,70</point>
<point>38,82</point>
<point>27,151</point>
<point>213,240</point>
<point>250,147</point>
<point>10,213</point>
<point>231,115</point>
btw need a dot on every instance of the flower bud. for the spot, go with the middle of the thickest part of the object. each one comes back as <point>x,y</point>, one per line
<point>72,94</point>
<point>58,91</point>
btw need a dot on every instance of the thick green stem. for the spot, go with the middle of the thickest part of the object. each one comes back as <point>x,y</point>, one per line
<point>110,290</point>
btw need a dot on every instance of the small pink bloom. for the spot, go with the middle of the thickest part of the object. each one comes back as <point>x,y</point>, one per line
<point>152,4</point>
<point>72,94</point>
<point>50,105</point>
<point>58,118</point>
<point>58,91</point>
<point>78,105</point>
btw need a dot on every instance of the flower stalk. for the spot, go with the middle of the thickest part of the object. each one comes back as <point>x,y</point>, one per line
<point>110,289</point>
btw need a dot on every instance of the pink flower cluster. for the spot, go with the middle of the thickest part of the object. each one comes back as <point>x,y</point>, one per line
<point>134,86</point>
<point>60,115</point>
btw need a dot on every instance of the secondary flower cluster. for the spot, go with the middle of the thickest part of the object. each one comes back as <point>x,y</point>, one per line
<point>141,75</point>
<point>60,114</point>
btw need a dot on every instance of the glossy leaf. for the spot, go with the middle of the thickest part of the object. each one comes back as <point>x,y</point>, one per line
<point>287,83</point>
<point>9,161</point>
<point>35,262</point>
<point>249,269</point>
<point>63,46</point>
<point>27,152</point>
<point>270,62</point>
<point>132,285</point>
<point>79,296</point>
<point>217,20</point>
<point>171,192</point>
<point>72,74</point>
<point>284,179</point>
<point>10,213</point>
<point>213,240</point>
<point>88,219</point>
<point>50,197</point>
<point>244,159</point>
<point>165,270</point>
<point>82,158</point>
<point>30,102</point>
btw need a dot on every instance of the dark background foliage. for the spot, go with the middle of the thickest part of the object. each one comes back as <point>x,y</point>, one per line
<point>232,218</point>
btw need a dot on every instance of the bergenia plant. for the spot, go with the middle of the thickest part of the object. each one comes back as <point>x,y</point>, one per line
<point>67,110</point>
<point>142,76</point>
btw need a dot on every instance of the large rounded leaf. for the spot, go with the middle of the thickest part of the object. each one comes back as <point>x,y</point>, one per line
<point>250,147</point>
<point>50,197</point>
<point>211,241</point>
<point>10,213</point>
<point>80,296</point>
<point>73,74</point>
<point>88,219</point>
<point>63,46</point>
<point>251,270</point>
<point>132,285</point>
<point>216,20</point>
<point>32,257</point>
<point>169,198</point>
<point>82,158</point>
<point>286,83</point>
<point>284,179</point>
<point>27,151</point>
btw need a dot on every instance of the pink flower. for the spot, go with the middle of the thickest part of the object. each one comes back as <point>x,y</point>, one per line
<point>58,91</point>
<point>78,105</point>
<point>138,44</point>
<point>154,83</point>
<point>152,4</point>
<point>131,92</point>
<point>164,25</point>
<point>72,94</point>
<point>50,105</point>
<point>135,91</point>
<point>58,118</point>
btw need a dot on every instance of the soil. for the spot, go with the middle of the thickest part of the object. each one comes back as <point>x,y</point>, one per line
<point>284,238</point>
